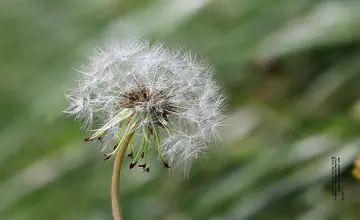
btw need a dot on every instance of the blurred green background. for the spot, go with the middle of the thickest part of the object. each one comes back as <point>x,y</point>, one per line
<point>290,69</point>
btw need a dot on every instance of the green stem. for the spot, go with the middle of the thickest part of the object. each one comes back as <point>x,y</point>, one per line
<point>115,183</point>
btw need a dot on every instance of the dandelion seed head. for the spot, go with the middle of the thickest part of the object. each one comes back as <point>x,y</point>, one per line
<point>168,98</point>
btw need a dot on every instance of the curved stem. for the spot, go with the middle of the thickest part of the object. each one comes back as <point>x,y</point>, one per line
<point>115,182</point>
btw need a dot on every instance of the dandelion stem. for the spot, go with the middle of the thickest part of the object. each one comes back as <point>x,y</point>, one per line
<point>115,183</point>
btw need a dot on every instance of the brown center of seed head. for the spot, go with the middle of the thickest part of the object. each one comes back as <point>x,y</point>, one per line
<point>153,101</point>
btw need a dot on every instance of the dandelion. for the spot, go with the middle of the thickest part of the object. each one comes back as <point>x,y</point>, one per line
<point>148,100</point>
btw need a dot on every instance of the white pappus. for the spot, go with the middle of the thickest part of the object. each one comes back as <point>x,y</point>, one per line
<point>166,98</point>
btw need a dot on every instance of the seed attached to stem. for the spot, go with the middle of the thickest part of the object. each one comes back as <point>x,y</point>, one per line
<point>143,166</point>
<point>132,164</point>
<point>107,156</point>
<point>166,165</point>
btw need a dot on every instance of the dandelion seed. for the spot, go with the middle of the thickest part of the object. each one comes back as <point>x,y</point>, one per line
<point>166,98</point>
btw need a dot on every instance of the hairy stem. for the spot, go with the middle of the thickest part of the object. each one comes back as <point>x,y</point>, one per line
<point>115,182</point>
